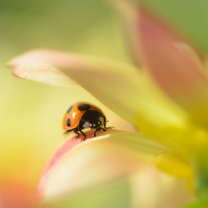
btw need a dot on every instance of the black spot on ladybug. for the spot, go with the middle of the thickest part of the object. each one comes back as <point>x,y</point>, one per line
<point>84,107</point>
<point>69,109</point>
<point>68,122</point>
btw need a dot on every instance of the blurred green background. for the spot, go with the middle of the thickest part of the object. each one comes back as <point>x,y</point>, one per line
<point>31,113</point>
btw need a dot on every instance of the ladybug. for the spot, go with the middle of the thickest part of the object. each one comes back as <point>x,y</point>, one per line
<point>81,116</point>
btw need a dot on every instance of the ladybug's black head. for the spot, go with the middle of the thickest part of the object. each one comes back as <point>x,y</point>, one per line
<point>92,119</point>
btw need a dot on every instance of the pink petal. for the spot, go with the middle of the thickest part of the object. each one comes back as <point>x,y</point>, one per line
<point>40,66</point>
<point>54,57</point>
<point>103,151</point>
<point>64,148</point>
<point>173,64</point>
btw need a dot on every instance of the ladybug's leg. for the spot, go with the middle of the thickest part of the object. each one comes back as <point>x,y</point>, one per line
<point>110,127</point>
<point>83,134</point>
<point>94,135</point>
<point>76,132</point>
<point>105,128</point>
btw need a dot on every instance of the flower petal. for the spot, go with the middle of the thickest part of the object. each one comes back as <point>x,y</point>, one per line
<point>126,91</point>
<point>107,152</point>
<point>120,87</point>
<point>38,65</point>
<point>153,188</point>
<point>172,62</point>
<point>56,157</point>
<point>174,65</point>
<point>42,72</point>
<point>173,165</point>
<point>114,194</point>
<point>190,16</point>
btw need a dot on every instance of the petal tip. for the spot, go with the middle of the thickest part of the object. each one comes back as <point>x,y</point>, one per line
<point>16,74</point>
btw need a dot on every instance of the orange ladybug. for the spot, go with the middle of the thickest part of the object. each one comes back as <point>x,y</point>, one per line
<point>81,116</point>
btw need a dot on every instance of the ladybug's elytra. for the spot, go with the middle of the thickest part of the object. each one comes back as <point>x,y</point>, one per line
<point>83,115</point>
